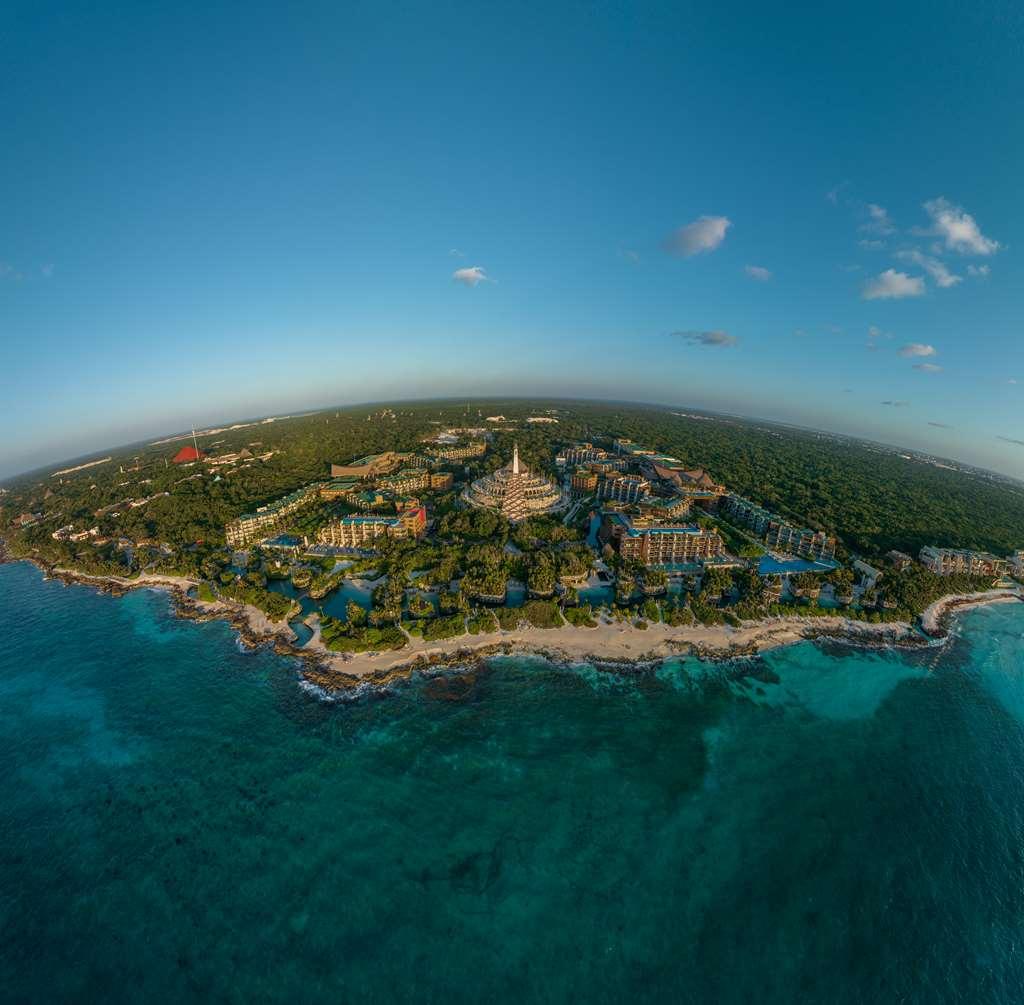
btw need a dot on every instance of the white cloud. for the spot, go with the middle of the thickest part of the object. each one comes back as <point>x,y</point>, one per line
<point>936,269</point>
<point>471,276</point>
<point>928,367</point>
<point>878,221</point>
<point>892,285</point>
<point>918,349</point>
<point>833,194</point>
<point>455,253</point>
<point>758,272</point>
<point>870,245</point>
<point>705,234</point>
<point>979,271</point>
<point>712,338</point>
<point>874,334</point>
<point>958,229</point>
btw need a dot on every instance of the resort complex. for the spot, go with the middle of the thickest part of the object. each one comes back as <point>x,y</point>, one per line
<point>515,492</point>
<point>649,508</point>
<point>444,519</point>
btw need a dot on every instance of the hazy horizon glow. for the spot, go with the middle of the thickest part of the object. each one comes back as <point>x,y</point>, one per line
<point>235,213</point>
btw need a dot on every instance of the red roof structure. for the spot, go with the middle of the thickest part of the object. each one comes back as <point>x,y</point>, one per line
<point>187,455</point>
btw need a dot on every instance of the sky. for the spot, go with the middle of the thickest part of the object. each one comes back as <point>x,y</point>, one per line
<point>795,212</point>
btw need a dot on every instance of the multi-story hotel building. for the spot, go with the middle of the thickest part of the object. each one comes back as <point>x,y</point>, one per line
<point>814,545</point>
<point>459,451</point>
<point>583,481</point>
<point>580,453</point>
<point>778,533</point>
<point>252,527</point>
<point>363,530</point>
<point>665,509</point>
<point>406,480</point>
<point>960,561</point>
<point>340,488</point>
<point>442,481</point>
<point>655,543</point>
<point>623,488</point>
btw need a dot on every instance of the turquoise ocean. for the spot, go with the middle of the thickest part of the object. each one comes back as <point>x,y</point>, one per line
<point>181,820</point>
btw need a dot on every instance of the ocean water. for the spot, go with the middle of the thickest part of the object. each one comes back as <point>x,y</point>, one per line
<point>180,820</point>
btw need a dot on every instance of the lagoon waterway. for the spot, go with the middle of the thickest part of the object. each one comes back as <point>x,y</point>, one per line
<point>183,820</point>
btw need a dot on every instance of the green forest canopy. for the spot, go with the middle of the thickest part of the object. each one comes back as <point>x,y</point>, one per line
<point>870,496</point>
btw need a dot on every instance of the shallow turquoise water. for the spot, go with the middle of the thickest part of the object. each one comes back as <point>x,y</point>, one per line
<point>181,820</point>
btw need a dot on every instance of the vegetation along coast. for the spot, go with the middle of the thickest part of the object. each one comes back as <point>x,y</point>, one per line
<point>372,541</point>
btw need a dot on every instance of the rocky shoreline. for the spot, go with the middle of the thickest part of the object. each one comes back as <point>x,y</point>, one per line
<point>334,674</point>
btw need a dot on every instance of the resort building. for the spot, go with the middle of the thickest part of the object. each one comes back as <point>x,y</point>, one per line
<point>340,488</point>
<point>900,560</point>
<point>623,488</point>
<point>515,492</point>
<point>368,499</point>
<point>580,453</point>
<point>671,472</point>
<point>959,561</point>
<point>364,530</point>
<point>441,481</point>
<point>660,544</point>
<point>252,527</point>
<point>671,508</point>
<point>814,545</point>
<point>406,480</point>
<point>371,466</point>
<point>869,575</point>
<point>459,451</point>
<point>696,482</point>
<point>778,533</point>
<point>1017,564</point>
<point>627,446</point>
<point>583,481</point>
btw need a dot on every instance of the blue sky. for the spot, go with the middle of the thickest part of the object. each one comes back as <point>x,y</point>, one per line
<point>247,209</point>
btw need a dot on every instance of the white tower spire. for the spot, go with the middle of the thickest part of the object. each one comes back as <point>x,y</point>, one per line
<point>515,459</point>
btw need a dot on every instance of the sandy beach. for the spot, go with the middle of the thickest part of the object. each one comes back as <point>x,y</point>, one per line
<point>609,642</point>
<point>933,618</point>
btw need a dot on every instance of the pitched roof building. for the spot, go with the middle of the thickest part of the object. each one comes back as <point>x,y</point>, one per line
<point>187,455</point>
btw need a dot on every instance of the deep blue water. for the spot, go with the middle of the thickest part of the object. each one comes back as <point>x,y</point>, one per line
<point>180,821</point>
